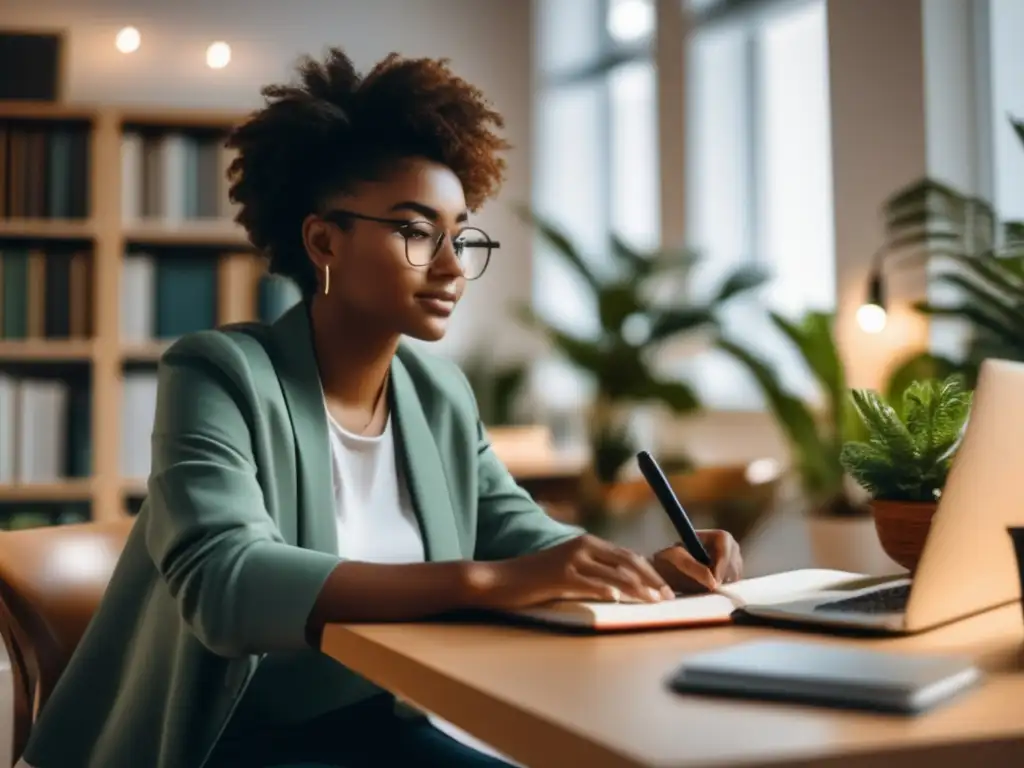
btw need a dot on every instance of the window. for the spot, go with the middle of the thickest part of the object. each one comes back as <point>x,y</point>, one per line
<point>759,181</point>
<point>596,154</point>
<point>571,194</point>
<point>633,154</point>
<point>795,203</point>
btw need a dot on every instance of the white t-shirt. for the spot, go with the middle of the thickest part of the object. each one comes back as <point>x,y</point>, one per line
<point>372,508</point>
<point>375,517</point>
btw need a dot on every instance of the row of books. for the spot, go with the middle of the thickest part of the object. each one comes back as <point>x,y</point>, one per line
<point>174,176</point>
<point>44,169</point>
<point>46,435</point>
<point>15,517</point>
<point>167,296</point>
<point>45,294</point>
<point>138,409</point>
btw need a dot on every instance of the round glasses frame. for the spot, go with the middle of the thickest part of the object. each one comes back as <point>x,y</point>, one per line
<point>339,217</point>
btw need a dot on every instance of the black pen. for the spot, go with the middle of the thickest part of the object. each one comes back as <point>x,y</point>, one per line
<point>667,497</point>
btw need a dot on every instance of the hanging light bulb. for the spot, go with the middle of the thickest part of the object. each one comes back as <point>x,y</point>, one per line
<point>128,40</point>
<point>218,55</point>
<point>871,315</point>
<point>871,318</point>
<point>630,20</point>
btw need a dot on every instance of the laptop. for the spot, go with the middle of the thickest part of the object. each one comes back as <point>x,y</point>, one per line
<point>968,563</point>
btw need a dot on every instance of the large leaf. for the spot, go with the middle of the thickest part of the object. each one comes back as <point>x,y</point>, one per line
<point>1008,311</point>
<point>1013,233</point>
<point>979,316</point>
<point>813,337</point>
<point>615,303</point>
<point>584,353</point>
<point>933,215</point>
<point>935,243</point>
<point>1018,128</point>
<point>740,281</point>
<point>624,374</point>
<point>921,192</point>
<point>815,454</point>
<point>564,247</point>
<point>677,395</point>
<point>636,264</point>
<point>672,260</point>
<point>1002,273</point>
<point>671,322</point>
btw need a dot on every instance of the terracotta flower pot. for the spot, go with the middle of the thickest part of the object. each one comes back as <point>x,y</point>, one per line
<point>902,528</point>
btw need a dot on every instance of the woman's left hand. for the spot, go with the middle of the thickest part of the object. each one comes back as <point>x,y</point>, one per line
<point>685,574</point>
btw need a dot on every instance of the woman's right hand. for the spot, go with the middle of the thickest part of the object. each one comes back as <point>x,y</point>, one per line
<point>583,568</point>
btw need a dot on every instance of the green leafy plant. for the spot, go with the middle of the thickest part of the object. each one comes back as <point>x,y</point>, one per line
<point>980,267</point>
<point>618,357</point>
<point>496,386</point>
<point>909,449</point>
<point>815,435</point>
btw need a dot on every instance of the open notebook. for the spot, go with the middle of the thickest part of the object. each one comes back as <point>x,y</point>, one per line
<point>713,608</point>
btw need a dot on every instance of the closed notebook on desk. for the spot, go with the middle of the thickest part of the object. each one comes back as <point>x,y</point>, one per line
<point>828,675</point>
<point>702,609</point>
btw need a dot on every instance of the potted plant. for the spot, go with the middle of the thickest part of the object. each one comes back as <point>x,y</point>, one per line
<point>620,358</point>
<point>982,273</point>
<point>905,458</point>
<point>841,531</point>
<point>497,387</point>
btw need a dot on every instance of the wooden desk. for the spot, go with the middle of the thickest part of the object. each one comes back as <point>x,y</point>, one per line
<point>548,699</point>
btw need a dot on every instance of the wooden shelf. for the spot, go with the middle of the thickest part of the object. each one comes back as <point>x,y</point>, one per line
<point>49,229</point>
<point>134,488</point>
<point>179,118</point>
<point>65,490</point>
<point>109,236</point>
<point>47,350</point>
<point>144,352</point>
<point>44,110</point>
<point>203,234</point>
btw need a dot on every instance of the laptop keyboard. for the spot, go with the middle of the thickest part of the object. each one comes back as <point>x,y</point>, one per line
<point>888,600</point>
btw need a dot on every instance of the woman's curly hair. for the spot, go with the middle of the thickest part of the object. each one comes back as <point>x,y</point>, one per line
<point>336,127</point>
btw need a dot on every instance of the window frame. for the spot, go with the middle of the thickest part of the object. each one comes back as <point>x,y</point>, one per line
<point>610,55</point>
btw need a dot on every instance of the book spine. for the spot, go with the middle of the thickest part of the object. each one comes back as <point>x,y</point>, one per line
<point>138,294</point>
<point>15,297</point>
<point>180,277</point>
<point>138,410</point>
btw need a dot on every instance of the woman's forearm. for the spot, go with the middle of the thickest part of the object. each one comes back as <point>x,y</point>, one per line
<point>404,592</point>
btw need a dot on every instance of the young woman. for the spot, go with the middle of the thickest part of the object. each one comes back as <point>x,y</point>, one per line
<point>318,470</point>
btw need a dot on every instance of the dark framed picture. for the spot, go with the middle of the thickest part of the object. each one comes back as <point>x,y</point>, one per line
<point>31,65</point>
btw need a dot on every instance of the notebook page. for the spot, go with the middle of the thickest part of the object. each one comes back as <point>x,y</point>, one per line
<point>694,609</point>
<point>691,609</point>
<point>786,586</point>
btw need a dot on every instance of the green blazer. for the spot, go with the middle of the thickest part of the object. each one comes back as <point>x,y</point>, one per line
<point>237,535</point>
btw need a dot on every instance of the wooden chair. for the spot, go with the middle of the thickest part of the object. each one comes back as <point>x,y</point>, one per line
<point>51,582</point>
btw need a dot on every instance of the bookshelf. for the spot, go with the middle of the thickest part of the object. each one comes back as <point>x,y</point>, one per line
<point>116,236</point>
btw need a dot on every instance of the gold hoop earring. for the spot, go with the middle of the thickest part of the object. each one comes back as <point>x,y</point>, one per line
<point>327,279</point>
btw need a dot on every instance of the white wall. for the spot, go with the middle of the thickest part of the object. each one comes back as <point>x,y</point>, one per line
<point>488,42</point>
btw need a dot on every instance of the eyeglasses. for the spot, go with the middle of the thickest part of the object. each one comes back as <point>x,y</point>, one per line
<point>423,240</point>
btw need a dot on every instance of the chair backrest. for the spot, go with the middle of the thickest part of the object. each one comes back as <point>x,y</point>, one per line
<point>51,582</point>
